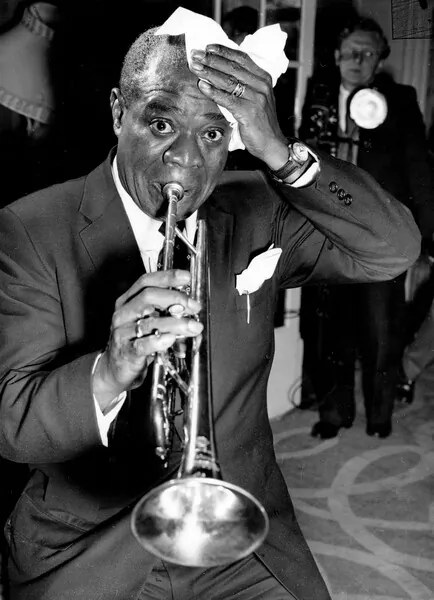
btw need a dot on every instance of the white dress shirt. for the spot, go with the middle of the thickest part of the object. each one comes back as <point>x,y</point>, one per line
<point>343,97</point>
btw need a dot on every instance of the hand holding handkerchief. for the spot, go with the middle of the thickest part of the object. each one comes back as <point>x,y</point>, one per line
<point>264,47</point>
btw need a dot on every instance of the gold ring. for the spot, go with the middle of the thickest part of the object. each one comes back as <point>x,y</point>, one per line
<point>138,329</point>
<point>239,89</point>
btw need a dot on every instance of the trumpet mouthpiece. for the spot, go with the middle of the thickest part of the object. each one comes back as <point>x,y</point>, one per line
<point>173,189</point>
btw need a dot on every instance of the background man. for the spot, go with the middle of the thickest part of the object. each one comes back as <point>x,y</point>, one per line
<point>79,317</point>
<point>339,322</point>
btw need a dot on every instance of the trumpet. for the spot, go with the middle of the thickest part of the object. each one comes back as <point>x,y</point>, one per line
<point>195,519</point>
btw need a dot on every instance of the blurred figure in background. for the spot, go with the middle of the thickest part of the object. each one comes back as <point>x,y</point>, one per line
<point>27,117</point>
<point>240,22</point>
<point>27,101</point>
<point>365,118</point>
<point>418,355</point>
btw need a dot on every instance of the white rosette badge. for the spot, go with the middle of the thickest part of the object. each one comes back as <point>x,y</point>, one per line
<point>368,108</point>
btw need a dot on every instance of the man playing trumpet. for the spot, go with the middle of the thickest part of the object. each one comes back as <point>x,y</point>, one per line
<point>83,311</point>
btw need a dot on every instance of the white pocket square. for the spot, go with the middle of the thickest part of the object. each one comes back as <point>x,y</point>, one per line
<point>260,268</point>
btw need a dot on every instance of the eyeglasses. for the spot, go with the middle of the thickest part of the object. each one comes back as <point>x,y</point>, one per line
<point>358,55</point>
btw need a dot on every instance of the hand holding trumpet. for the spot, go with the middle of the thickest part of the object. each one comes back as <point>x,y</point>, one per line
<point>140,327</point>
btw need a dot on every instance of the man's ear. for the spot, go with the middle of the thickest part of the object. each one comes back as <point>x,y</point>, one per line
<point>337,57</point>
<point>379,66</point>
<point>118,108</point>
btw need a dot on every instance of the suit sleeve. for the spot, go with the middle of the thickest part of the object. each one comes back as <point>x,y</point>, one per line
<point>344,228</point>
<point>46,407</point>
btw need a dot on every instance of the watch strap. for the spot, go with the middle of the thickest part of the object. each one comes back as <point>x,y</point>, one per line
<point>299,160</point>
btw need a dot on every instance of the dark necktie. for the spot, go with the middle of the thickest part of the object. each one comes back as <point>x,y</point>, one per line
<point>348,143</point>
<point>181,254</point>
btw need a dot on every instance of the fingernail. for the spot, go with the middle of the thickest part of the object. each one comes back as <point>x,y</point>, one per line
<point>197,66</point>
<point>195,327</point>
<point>197,54</point>
<point>193,305</point>
<point>204,85</point>
<point>183,276</point>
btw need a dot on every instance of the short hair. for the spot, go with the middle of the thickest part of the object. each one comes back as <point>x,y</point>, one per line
<point>365,24</point>
<point>137,60</point>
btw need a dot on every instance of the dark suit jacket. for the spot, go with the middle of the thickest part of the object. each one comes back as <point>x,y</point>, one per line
<point>66,254</point>
<point>395,153</point>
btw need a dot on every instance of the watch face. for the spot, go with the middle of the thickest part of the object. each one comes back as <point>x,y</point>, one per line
<point>300,152</point>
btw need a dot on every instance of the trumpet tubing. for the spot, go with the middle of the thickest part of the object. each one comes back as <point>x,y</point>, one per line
<point>196,519</point>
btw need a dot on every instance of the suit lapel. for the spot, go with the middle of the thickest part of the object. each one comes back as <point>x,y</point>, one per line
<point>220,233</point>
<point>113,251</point>
<point>108,237</point>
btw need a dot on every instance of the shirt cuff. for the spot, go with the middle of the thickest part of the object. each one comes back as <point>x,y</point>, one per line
<point>106,418</point>
<point>294,173</point>
<point>308,177</point>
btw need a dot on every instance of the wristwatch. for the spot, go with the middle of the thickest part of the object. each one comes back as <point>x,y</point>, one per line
<point>299,160</point>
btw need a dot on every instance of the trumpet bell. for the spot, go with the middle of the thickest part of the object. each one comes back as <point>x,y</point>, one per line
<point>199,522</point>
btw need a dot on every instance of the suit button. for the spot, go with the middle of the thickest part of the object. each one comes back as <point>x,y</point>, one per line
<point>348,199</point>
<point>333,186</point>
<point>341,194</point>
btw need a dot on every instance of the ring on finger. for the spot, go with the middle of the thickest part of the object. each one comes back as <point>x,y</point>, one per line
<point>239,89</point>
<point>139,332</point>
<point>138,329</point>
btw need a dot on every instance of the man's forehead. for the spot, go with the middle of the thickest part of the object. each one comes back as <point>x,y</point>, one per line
<point>363,38</point>
<point>164,74</point>
<point>189,101</point>
<point>166,62</point>
<point>169,86</point>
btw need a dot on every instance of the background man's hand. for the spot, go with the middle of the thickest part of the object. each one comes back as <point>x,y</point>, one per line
<point>255,110</point>
<point>139,313</point>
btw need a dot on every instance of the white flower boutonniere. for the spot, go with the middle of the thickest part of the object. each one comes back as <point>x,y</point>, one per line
<point>260,268</point>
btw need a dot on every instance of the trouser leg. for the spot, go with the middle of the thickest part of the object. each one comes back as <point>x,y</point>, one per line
<point>247,579</point>
<point>420,353</point>
<point>313,322</point>
<point>381,310</point>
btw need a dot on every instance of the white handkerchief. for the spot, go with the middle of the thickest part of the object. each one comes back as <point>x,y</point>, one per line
<point>265,47</point>
<point>260,268</point>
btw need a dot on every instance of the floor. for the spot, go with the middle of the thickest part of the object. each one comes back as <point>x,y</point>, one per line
<point>366,506</point>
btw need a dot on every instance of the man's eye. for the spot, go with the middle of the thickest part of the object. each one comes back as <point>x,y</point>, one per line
<point>161,127</point>
<point>213,135</point>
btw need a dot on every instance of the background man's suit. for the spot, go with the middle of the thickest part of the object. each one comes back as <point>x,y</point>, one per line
<point>66,254</point>
<point>338,322</point>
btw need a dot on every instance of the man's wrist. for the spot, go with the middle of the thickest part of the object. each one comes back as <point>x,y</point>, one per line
<point>276,154</point>
<point>103,391</point>
<point>298,161</point>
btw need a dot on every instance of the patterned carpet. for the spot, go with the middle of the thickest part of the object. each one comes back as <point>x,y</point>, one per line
<point>366,506</point>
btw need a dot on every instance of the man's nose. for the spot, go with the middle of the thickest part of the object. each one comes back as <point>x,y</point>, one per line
<point>184,152</point>
<point>358,57</point>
